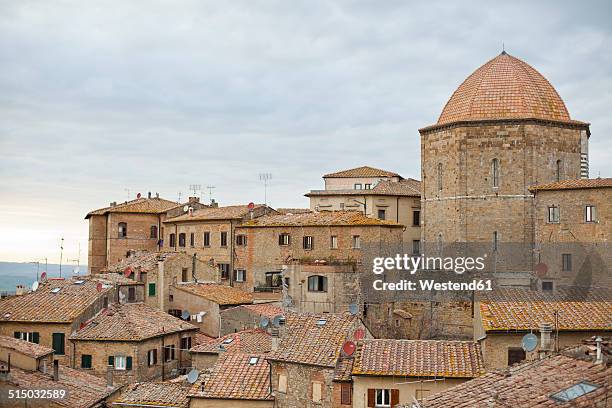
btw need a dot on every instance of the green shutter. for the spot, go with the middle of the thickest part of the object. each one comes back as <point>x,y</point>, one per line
<point>111,360</point>
<point>128,363</point>
<point>35,338</point>
<point>17,335</point>
<point>58,343</point>
<point>86,361</point>
<point>151,289</point>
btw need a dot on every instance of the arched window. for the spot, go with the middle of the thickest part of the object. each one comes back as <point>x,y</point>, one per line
<point>439,176</point>
<point>153,231</point>
<point>317,283</point>
<point>558,170</point>
<point>495,172</point>
<point>122,230</point>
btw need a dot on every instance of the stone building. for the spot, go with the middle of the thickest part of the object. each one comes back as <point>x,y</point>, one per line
<point>237,380</point>
<point>303,363</point>
<point>170,394</point>
<point>574,378</point>
<point>561,318</point>
<point>133,343</point>
<point>204,302</point>
<point>378,194</point>
<point>136,225</point>
<point>210,234</point>
<point>245,317</point>
<point>573,231</point>
<point>250,341</point>
<point>389,372</point>
<point>158,271</point>
<point>503,130</point>
<point>28,366</point>
<point>57,309</point>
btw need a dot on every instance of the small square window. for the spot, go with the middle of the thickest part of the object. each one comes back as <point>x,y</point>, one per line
<point>553,214</point>
<point>357,186</point>
<point>382,214</point>
<point>547,286</point>
<point>590,213</point>
<point>253,360</point>
<point>308,242</point>
<point>241,240</point>
<point>284,239</point>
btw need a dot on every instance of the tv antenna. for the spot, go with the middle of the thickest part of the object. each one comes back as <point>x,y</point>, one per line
<point>196,188</point>
<point>180,194</point>
<point>210,189</point>
<point>77,260</point>
<point>127,190</point>
<point>61,256</point>
<point>265,177</point>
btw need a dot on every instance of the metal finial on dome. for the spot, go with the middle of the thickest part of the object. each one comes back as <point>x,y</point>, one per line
<point>503,49</point>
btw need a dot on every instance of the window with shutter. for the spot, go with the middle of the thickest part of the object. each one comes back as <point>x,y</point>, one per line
<point>394,397</point>
<point>36,337</point>
<point>371,397</point>
<point>128,363</point>
<point>316,392</point>
<point>346,394</point>
<point>282,383</point>
<point>58,341</point>
<point>86,361</point>
<point>111,360</point>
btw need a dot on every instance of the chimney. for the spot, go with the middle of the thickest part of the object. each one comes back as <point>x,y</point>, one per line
<point>149,195</point>
<point>191,211</point>
<point>156,195</point>
<point>20,290</point>
<point>213,203</point>
<point>275,339</point>
<point>545,339</point>
<point>109,376</point>
<point>599,356</point>
<point>113,204</point>
<point>55,370</point>
<point>194,199</point>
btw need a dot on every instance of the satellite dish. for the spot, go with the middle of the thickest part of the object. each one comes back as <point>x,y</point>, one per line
<point>185,208</point>
<point>359,334</point>
<point>193,376</point>
<point>277,320</point>
<point>251,206</point>
<point>99,287</point>
<point>185,315</point>
<point>138,195</point>
<point>541,269</point>
<point>264,322</point>
<point>349,348</point>
<point>43,276</point>
<point>34,286</point>
<point>288,301</point>
<point>353,308</point>
<point>127,272</point>
<point>529,342</point>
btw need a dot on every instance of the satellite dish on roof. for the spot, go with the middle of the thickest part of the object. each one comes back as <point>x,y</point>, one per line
<point>34,286</point>
<point>99,286</point>
<point>529,342</point>
<point>193,376</point>
<point>277,320</point>
<point>541,269</point>
<point>349,348</point>
<point>353,308</point>
<point>138,195</point>
<point>185,208</point>
<point>359,334</point>
<point>185,315</point>
<point>251,206</point>
<point>264,322</point>
<point>43,276</point>
<point>127,271</point>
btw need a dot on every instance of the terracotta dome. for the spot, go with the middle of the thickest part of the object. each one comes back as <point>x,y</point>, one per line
<point>504,88</point>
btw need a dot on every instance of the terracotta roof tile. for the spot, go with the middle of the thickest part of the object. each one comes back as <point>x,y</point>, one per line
<point>344,368</point>
<point>264,309</point>
<point>131,322</point>
<point>83,389</point>
<point>232,212</point>
<point>322,218</point>
<point>293,210</point>
<point>142,261</point>
<point>574,184</point>
<point>405,188</point>
<point>159,394</point>
<point>140,205</point>
<point>504,88</point>
<point>363,171</point>
<point>520,309</point>
<point>418,358</point>
<point>59,301</point>
<point>528,385</point>
<point>307,341</point>
<point>24,347</point>
<point>246,341</point>
<point>220,294</point>
<point>238,376</point>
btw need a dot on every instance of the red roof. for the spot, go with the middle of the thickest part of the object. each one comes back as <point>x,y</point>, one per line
<point>576,184</point>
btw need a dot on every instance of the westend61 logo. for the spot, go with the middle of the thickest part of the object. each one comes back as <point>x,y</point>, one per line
<point>411,264</point>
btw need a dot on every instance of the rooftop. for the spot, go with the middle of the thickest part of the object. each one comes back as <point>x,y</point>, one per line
<point>264,309</point>
<point>246,341</point>
<point>142,261</point>
<point>530,385</point>
<point>574,184</point>
<point>237,376</point>
<point>521,309</point>
<point>158,394</point>
<point>504,88</point>
<point>231,212</point>
<point>83,390</point>
<point>418,358</point>
<point>314,339</point>
<point>220,294</point>
<point>131,322</point>
<point>153,205</point>
<point>363,171</point>
<point>24,347</point>
<point>56,301</point>
<point>317,219</point>
<point>405,187</point>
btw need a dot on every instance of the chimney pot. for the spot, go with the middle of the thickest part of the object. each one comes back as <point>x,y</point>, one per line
<point>149,195</point>
<point>545,339</point>
<point>599,356</point>
<point>194,199</point>
<point>55,370</point>
<point>275,338</point>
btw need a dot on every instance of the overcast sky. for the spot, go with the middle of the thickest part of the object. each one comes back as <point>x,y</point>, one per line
<point>158,95</point>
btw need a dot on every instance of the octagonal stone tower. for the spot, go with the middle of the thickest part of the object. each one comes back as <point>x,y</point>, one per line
<point>504,129</point>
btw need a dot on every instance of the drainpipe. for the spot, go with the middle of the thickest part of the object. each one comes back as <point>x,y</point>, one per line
<point>160,283</point>
<point>231,245</point>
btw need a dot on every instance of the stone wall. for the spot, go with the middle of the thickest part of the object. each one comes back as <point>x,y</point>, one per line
<point>300,379</point>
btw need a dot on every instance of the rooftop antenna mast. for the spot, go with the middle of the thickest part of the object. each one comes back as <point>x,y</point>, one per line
<point>77,260</point>
<point>180,194</point>
<point>196,188</point>
<point>127,190</point>
<point>210,189</point>
<point>265,177</point>
<point>61,256</point>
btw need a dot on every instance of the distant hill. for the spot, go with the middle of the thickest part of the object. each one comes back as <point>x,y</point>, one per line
<point>15,273</point>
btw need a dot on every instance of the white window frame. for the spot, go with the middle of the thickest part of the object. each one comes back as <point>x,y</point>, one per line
<point>385,398</point>
<point>308,242</point>
<point>358,186</point>
<point>590,213</point>
<point>286,239</point>
<point>554,214</point>
<point>333,244</point>
<point>240,275</point>
<point>356,242</point>
<point>120,362</point>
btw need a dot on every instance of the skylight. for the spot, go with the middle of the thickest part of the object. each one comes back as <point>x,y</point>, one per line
<point>253,360</point>
<point>228,340</point>
<point>55,290</point>
<point>573,392</point>
<point>321,322</point>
